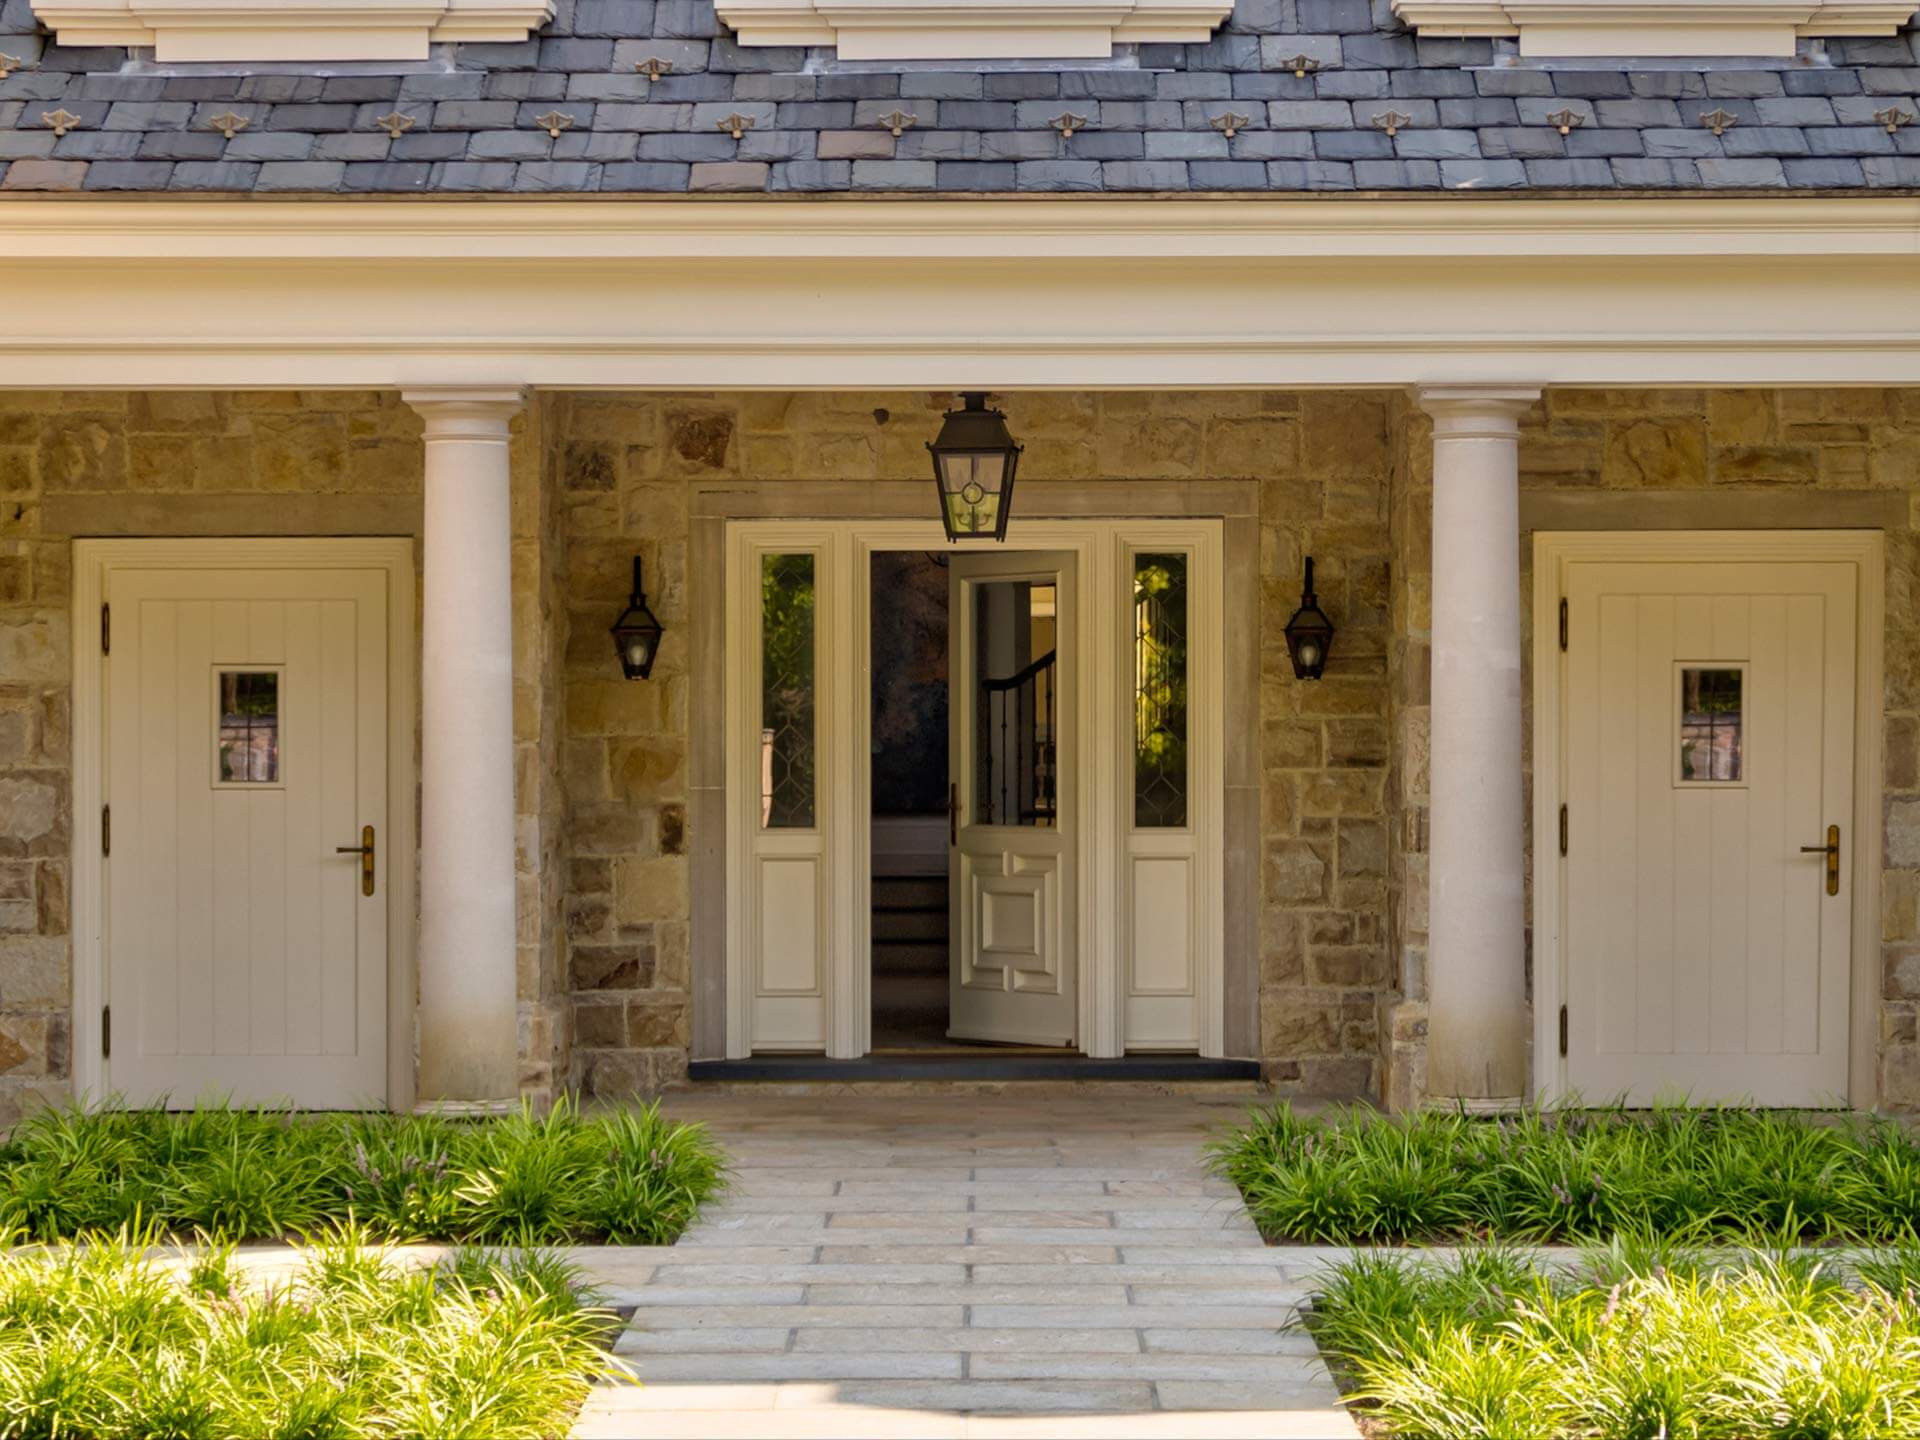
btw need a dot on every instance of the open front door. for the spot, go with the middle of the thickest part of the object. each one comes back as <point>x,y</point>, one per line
<point>1011,882</point>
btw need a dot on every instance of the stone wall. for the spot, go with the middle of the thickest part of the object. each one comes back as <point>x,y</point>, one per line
<point>195,463</point>
<point>1686,459</point>
<point>1322,463</point>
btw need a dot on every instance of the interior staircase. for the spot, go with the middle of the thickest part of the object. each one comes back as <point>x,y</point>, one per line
<point>910,959</point>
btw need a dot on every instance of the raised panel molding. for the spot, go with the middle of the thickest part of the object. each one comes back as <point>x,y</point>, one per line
<point>973,29</point>
<point>187,31</point>
<point>1574,28</point>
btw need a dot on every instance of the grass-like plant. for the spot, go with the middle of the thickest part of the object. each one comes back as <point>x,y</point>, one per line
<point>1358,1177</point>
<point>1735,1349</point>
<point>102,1341</point>
<point>628,1177</point>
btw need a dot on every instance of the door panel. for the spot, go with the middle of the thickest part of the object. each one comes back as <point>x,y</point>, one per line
<point>1709,739</point>
<point>246,741</point>
<point>1010,637</point>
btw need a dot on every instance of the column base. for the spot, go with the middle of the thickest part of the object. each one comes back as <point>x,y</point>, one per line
<point>466,1109</point>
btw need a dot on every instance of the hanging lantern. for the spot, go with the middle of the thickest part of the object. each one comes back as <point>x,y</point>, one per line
<point>636,634</point>
<point>1309,634</point>
<point>973,465</point>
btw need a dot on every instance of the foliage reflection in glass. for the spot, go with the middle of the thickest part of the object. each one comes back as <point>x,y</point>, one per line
<point>1710,725</point>
<point>786,692</point>
<point>1160,691</point>
<point>249,746</point>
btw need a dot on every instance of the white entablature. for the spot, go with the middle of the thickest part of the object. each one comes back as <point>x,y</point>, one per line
<point>184,31</point>
<point>973,29</point>
<point>1654,28</point>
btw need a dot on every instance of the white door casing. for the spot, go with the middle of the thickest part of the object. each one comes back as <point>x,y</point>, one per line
<point>235,945</point>
<point>1694,944</point>
<point>1011,884</point>
<point>1181,993</point>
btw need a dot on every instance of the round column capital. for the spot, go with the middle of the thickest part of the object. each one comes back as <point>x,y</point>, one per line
<point>467,412</point>
<point>1477,412</point>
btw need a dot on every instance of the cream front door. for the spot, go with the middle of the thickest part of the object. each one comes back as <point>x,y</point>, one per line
<point>1011,883</point>
<point>1709,734</point>
<point>246,717</point>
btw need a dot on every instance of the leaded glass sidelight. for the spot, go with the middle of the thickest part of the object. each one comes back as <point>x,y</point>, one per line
<point>788,799</point>
<point>1160,672</point>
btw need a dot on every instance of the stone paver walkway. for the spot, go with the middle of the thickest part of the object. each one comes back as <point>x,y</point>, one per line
<point>1007,1264</point>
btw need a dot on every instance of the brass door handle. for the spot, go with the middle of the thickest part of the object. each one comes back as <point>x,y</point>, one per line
<point>366,850</point>
<point>953,813</point>
<point>1832,851</point>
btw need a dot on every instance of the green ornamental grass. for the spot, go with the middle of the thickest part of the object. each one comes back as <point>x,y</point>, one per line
<point>1358,1177</point>
<point>101,1341</point>
<point>1628,1347</point>
<point>630,1177</point>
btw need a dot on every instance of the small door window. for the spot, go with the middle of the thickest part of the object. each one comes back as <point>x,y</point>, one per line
<point>247,717</point>
<point>1712,724</point>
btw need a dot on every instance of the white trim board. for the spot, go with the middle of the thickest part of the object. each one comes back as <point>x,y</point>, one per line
<point>844,717</point>
<point>93,563</point>
<point>184,31</point>
<point>1654,28</point>
<point>852,293</point>
<point>972,30</point>
<point>1552,553</point>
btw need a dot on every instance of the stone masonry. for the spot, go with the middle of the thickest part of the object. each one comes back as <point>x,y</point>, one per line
<point>1715,459</point>
<point>1289,96</point>
<point>602,764</point>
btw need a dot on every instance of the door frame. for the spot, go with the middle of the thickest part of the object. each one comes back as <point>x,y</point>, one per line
<point>94,562</point>
<point>1553,552</point>
<point>844,713</point>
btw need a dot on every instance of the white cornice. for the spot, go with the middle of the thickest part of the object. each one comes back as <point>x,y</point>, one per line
<point>402,232</point>
<point>1573,28</point>
<point>973,29</point>
<point>184,31</point>
<point>1059,294</point>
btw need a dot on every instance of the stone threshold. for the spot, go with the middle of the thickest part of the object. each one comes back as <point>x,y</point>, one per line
<point>790,1069</point>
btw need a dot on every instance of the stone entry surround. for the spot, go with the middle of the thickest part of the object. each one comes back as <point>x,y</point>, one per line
<point>1010,1262</point>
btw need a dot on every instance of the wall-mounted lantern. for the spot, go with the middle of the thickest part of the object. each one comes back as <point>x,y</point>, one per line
<point>1309,634</point>
<point>974,461</point>
<point>636,634</point>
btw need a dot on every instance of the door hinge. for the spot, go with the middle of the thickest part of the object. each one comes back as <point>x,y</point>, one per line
<point>106,830</point>
<point>1563,623</point>
<point>1563,1030</point>
<point>106,629</point>
<point>1563,830</point>
<point>106,1032</point>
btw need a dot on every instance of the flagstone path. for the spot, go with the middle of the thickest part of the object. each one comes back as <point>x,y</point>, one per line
<point>1004,1264</point>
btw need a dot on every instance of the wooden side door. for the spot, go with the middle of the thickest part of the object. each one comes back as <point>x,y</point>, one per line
<point>246,754</point>
<point>1710,759</point>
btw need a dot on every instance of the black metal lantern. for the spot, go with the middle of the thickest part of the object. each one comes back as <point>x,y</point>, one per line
<point>973,465</point>
<point>1309,634</point>
<point>636,634</point>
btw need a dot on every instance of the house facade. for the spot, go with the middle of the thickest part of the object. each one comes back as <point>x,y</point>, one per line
<point>364,366</point>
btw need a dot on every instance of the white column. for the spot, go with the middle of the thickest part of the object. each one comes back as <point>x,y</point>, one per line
<point>469,1059</point>
<point>1476,939</point>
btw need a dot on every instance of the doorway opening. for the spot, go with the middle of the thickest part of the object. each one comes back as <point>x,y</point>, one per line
<point>971,851</point>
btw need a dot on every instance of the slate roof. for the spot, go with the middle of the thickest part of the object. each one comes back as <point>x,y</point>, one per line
<point>1473,116</point>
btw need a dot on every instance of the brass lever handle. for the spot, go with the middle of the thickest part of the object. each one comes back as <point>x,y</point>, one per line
<point>1832,851</point>
<point>366,850</point>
